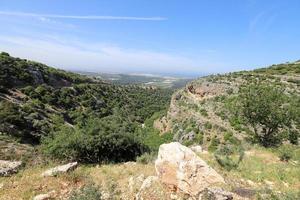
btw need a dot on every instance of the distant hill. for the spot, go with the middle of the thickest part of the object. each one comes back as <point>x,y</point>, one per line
<point>141,79</point>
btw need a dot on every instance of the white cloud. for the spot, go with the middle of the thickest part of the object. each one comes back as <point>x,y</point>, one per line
<point>82,17</point>
<point>97,57</point>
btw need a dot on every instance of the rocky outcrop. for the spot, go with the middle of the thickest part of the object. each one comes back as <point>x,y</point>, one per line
<point>181,169</point>
<point>206,89</point>
<point>60,169</point>
<point>8,168</point>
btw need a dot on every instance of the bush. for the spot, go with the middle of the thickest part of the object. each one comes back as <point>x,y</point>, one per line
<point>229,157</point>
<point>146,158</point>
<point>77,144</point>
<point>285,152</point>
<point>89,192</point>
<point>214,144</point>
<point>228,137</point>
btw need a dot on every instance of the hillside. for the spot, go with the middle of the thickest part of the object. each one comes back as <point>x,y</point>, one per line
<point>249,124</point>
<point>37,102</point>
<point>208,104</point>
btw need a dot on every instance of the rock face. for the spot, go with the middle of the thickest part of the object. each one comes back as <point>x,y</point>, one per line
<point>60,169</point>
<point>180,168</point>
<point>9,167</point>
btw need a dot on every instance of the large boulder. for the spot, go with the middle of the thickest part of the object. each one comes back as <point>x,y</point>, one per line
<point>181,169</point>
<point>60,169</point>
<point>9,167</point>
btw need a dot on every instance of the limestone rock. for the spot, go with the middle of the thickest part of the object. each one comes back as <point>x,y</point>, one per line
<point>147,183</point>
<point>216,194</point>
<point>60,169</point>
<point>196,148</point>
<point>9,167</point>
<point>179,167</point>
<point>135,182</point>
<point>44,196</point>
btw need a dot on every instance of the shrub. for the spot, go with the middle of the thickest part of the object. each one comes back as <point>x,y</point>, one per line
<point>285,152</point>
<point>214,144</point>
<point>208,125</point>
<point>88,192</point>
<point>146,158</point>
<point>293,136</point>
<point>199,138</point>
<point>228,137</point>
<point>229,157</point>
<point>203,112</point>
<point>77,144</point>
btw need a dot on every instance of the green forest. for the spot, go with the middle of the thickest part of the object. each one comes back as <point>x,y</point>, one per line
<point>73,117</point>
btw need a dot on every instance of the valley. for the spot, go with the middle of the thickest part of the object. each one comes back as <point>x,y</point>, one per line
<point>133,140</point>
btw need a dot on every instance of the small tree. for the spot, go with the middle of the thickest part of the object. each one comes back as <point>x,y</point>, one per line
<point>268,110</point>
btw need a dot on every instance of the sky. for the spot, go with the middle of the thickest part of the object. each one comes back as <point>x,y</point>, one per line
<point>172,37</point>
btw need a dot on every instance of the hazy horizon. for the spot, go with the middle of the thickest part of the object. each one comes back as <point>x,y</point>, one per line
<point>168,38</point>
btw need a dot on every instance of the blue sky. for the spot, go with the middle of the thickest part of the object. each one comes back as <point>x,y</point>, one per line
<point>182,37</point>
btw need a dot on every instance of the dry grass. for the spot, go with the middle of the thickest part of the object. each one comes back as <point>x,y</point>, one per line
<point>261,169</point>
<point>111,178</point>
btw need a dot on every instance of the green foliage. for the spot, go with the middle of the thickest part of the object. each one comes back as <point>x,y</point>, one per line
<point>268,110</point>
<point>285,152</point>
<point>203,112</point>
<point>199,138</point>
<point>151,137</point>
<point>229,157</point>
<point>92,145</point>
<point>146,158</point>
<point>208,125</point>
<point>55,97</point>
<point>229,138</point>
<point>214,143</point>
<point>88,192</point>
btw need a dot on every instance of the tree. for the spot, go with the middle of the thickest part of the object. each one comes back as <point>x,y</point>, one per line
<point>268,110</point>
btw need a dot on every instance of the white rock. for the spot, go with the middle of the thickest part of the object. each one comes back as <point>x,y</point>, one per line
<point>9,167</point>
<point>173,196</point>
<point>44,196</point>
<point>196,148</point>
<point>146,184</point>
<point>135,182</point>
<point>179,167</point>
<point>60,169</point>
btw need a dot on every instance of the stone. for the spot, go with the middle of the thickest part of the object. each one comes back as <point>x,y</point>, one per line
<point>44,196</point>
<point>178,167</point>
<point>216,194</point>
<point>60,169</point>
<point>8,168</point>
<point>196,148</point>
<point>135,182</point>
<point>147,183</point>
